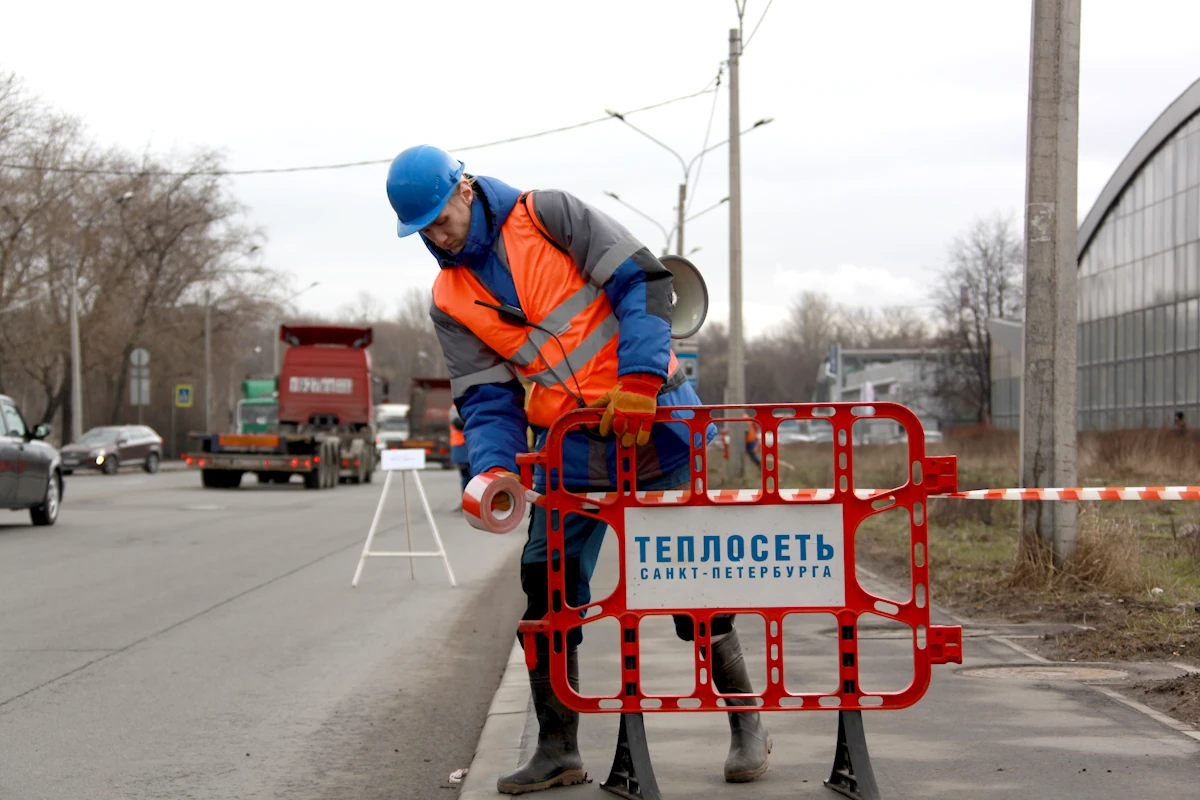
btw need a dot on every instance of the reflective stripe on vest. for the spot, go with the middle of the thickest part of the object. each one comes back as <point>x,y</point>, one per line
<point>554,295</point>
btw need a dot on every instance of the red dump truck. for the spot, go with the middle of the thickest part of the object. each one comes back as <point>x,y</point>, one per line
<point>326,428</point>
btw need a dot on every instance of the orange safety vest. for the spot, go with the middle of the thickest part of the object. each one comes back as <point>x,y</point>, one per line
<point>554,295</point>
<point>456,437</point>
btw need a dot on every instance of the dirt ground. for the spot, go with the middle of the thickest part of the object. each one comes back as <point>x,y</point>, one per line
<point>1179,697</point>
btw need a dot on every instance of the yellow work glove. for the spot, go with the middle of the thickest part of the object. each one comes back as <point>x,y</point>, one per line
<point>501,502</point>
<point>629,408</point>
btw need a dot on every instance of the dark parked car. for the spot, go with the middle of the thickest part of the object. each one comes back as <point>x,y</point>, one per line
<point>30,472</point>
<point>114,446</point>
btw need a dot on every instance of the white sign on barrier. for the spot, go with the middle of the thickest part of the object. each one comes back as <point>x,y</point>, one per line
<point>404,458</point>
<point>738,556</point>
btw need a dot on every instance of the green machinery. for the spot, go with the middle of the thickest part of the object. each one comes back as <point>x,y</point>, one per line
<point>258,410</point>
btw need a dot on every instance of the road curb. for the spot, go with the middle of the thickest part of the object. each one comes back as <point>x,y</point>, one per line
<point>499,746</point>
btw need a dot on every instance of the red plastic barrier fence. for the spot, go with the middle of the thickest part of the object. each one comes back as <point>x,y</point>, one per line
<point>766,551</point>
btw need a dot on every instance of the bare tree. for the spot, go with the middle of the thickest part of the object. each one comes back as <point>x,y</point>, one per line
<point>143,267</point>
<point>782,364</point>
<point>178,236</point>
<point>981,280</point>
<point>36,247</point>
<point>365,309</point>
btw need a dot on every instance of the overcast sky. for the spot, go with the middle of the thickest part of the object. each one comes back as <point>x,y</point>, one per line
<point>896,124</point>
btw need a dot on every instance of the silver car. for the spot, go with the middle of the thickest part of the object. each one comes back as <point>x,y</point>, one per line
<point>30,469</point>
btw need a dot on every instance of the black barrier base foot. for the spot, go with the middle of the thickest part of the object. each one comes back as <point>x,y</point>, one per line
<point>852,775</point>
<point>632,774</point>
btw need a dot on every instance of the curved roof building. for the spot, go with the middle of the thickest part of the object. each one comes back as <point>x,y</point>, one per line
<point>1139,286</point>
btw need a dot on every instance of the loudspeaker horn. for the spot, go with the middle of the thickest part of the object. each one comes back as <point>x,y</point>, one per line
<point>689,296</point>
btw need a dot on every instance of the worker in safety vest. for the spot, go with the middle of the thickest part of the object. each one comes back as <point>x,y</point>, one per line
<point>542,286</point>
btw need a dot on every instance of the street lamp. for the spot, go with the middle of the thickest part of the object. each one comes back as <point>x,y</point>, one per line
<point>665,232</point>
<point>286,300</point>
<point>73,315</point>
<point>644,215</point>
<point>687,171</point>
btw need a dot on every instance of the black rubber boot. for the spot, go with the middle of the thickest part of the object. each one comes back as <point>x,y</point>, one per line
<point>557,761</point>
<point>749,742</point>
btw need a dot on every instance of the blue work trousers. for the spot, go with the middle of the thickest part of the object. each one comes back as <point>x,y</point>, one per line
<point>582,539</point>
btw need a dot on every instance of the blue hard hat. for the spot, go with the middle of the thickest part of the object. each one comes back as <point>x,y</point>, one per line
<point>420,182</point>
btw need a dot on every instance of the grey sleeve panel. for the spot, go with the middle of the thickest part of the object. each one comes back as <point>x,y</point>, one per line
<point>597,242</point>
<point>658,285</point>
<point>465,353</point>
<point>501,373</point>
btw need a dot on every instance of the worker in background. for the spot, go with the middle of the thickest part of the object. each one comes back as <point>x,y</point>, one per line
<point>1180,425</point>
<point>458,450</point>
<point>752,445</point>
<point>509,259</point>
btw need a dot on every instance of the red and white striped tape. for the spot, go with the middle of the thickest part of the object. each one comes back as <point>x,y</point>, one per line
<point>1083,493</point>
<point>479,499</point>
<point>679,496</point>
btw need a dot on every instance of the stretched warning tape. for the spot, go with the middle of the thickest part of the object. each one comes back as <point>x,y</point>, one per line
<point>1083,493</point>
<point>682,496</point>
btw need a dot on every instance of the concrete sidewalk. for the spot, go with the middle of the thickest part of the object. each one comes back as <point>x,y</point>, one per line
<point>1050,734</point>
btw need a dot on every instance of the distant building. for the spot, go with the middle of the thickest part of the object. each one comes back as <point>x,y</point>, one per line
<point>905,376</point>
<point>1139,288</point>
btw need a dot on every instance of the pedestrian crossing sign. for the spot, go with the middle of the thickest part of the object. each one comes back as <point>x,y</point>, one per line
<point>183,395</point>
<point>690,364</point>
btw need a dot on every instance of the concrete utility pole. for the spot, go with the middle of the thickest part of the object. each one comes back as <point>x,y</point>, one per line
<point>208,360</point>
<point>735,389</point>
<point>1048,406</point>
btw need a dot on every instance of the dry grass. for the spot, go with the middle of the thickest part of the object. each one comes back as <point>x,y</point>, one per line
<point>1132,584</point>
<point>1129,583</point>
<point>1133,580</point>
<point>1153,457</point>
<point>1107,558</point>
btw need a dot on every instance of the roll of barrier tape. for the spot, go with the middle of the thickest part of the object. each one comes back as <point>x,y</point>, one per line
<point>478,500</point>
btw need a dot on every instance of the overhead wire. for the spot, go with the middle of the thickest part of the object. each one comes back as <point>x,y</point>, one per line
<point>708,132</point>
<point>343,165</point>
<point>741,10</point>
<point>761,17</point>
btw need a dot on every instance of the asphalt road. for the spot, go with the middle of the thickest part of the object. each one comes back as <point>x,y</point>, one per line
<point>163,640</point>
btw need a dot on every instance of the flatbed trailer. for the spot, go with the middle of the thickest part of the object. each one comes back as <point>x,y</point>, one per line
<point>322,460</point>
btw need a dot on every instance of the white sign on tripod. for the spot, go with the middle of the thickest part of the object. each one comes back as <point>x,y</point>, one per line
<point>404,461</point>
